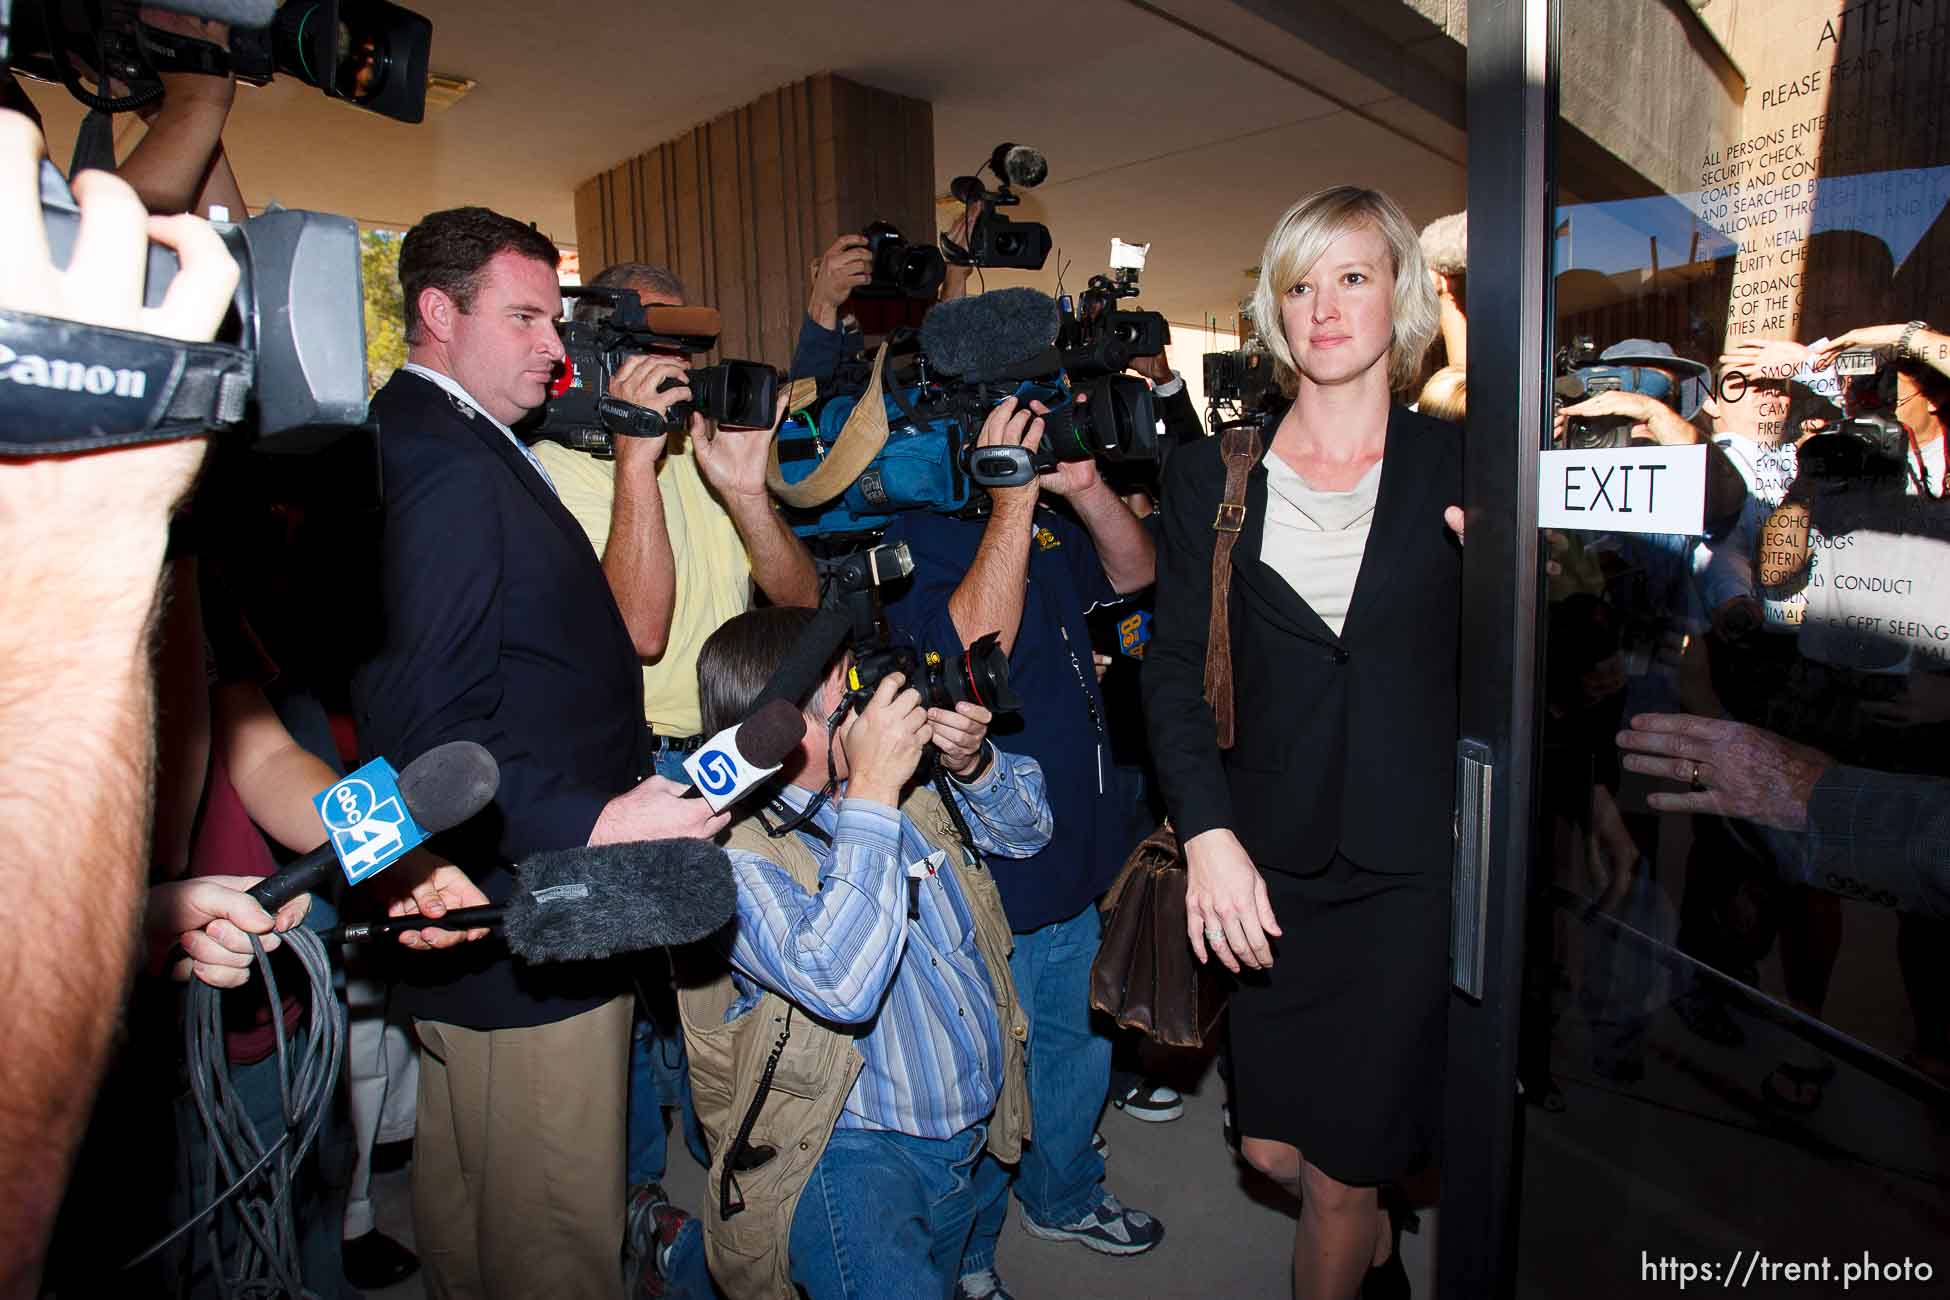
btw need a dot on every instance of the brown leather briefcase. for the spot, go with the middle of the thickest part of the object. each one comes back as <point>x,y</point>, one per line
<point>1144,976</point>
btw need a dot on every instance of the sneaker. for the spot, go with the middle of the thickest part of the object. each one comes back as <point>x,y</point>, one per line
<point>1110,1228</point>
<point>982,1285</point>
<point>1100,1144</point>
<point>651,1229</point>
<point>1151,1102</point>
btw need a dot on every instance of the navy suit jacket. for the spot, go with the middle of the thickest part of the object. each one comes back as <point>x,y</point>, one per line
<point>496,625</point>
<point>1343,743</point>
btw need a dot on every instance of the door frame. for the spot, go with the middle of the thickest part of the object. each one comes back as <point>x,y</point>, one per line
<point>1511,114</point>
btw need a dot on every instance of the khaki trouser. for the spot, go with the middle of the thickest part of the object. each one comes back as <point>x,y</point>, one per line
<point>518,1163</point>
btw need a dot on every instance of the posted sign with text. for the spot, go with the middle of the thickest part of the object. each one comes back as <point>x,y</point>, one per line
<point>1640,489</point>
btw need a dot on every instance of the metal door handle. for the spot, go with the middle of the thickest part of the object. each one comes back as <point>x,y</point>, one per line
<point>1469,911</point>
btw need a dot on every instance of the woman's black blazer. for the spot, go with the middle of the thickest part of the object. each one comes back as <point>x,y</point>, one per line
<point>1343,743</point>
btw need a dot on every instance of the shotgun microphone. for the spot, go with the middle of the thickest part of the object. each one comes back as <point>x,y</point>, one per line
<point>599,901</point>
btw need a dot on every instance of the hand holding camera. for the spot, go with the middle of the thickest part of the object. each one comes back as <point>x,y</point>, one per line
<point>957,735</point>
<point>1011,424</point>
<point>733,460</point>
<point>1651,419</point>
<point>654,383</point>
<point>844,268</point>
<point>103,285</point>
<point>884,741</point>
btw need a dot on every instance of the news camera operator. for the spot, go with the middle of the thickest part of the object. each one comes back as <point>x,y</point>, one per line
<point>178,164</point>
<point>859,909</point>
<point>686,531</point>
<point>1030,572</point>
<point>84,535</point>
<point>1319,846</point>
<point>844,268</point>
<point>495,623</point>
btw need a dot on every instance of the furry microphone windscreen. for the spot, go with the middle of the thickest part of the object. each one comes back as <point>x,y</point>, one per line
<point>588,903</point>
<point>448,784</point>
<point>986,334</point>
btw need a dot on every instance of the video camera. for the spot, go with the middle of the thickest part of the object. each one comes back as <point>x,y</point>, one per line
<point>369,53</point>
<point>980,675</point>
<point>1870,444</point>
<point>580,413</point>
<point>288,365</point>
<point>1581,374</point>
<point>1241,386</point>
<point>931,395</point>
<point>994,240</point>
<point>1099,338</point>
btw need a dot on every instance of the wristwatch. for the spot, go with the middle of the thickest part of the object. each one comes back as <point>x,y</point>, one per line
<point>1910,331</point>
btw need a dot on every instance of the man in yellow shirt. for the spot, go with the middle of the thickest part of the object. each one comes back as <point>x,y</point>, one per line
<point>686,531</point>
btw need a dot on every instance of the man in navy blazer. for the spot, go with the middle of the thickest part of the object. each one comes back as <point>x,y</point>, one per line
<point>495,624</point>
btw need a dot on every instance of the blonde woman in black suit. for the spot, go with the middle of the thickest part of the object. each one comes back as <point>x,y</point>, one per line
<point>1319,844</point>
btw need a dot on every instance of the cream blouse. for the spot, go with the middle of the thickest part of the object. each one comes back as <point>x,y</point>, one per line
<point>1315,539</point>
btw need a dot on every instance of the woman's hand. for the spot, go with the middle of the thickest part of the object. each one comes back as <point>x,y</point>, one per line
<point>1225,902</point>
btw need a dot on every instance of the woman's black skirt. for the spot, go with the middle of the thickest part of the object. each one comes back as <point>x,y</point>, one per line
<point>1339,1048</point>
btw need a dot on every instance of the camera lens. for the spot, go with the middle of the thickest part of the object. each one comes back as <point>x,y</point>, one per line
<point>981,676</point>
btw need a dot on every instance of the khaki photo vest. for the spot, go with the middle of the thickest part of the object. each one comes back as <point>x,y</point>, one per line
<point>815,1067</point>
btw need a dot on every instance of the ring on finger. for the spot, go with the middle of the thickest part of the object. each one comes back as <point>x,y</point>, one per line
<point>1694,780</point>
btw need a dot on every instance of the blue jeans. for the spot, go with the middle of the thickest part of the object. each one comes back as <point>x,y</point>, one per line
<point>885,1214</point>
<point>1060,1177</point>
<point>659,1076</point>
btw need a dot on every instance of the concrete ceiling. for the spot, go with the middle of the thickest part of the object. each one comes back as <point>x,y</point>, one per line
<point>1188,123</point>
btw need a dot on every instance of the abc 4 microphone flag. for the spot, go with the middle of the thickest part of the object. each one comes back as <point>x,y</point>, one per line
<point>366,821</point>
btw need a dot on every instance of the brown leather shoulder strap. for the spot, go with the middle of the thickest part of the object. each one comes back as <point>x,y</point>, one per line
<point>1241,448</point>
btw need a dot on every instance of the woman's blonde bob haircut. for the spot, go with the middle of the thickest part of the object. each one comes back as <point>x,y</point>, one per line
<point>1303,233</point>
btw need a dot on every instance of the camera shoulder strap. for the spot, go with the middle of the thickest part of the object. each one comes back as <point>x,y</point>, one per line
<point>860,440</point>
<point>65,386</point>
<point>1240,447</point>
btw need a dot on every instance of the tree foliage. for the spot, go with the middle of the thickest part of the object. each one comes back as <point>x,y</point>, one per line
<point>385,305</point>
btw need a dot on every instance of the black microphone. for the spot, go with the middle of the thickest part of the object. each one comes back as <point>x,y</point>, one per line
<point>742,758</point>
<point>1004,333</point>
<point>441,789</point>
<point>804,666</point>
<point>594,902</point>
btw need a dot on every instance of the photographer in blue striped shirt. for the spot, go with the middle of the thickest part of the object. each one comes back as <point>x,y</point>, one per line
<point>864,1048</point>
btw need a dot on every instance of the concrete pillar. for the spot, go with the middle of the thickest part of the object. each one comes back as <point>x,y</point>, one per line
<point>740,206</point>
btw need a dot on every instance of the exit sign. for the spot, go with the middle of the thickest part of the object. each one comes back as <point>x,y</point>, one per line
<point>1638,489</point>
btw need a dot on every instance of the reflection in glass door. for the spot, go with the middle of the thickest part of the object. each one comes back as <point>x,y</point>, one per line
<point>1735,1043</point>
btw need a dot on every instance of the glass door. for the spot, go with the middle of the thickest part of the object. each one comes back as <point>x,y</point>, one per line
<point>1708,1039</point>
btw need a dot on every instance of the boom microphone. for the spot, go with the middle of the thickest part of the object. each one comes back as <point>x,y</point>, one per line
<point>1001,334</point>
<point>1018,164</point>
<point>600,901</point>
<point>441,789</point>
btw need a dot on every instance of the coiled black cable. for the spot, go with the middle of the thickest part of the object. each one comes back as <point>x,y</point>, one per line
<point>256,1176</point>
